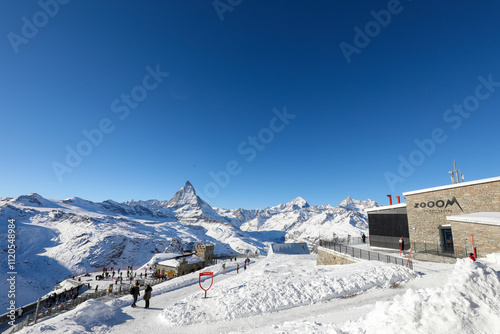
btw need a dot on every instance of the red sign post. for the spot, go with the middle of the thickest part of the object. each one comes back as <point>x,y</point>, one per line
<point>473,247</point>
<point>409,256</point>
<point>208,273</point>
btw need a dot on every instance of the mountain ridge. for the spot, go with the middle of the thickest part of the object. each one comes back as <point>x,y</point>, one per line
<point>75,235</point>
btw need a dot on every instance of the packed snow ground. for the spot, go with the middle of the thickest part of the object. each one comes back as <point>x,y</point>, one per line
<point>290,294</point>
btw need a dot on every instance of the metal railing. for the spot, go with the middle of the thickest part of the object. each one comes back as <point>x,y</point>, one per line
<point>44,311</point>
<point>365,254</point>
<point>440,250</point>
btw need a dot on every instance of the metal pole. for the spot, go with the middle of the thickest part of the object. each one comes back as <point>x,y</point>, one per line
<point>37,306</point>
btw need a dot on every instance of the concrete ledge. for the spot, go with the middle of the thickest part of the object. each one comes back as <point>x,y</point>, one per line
<point>433,258</point>
<point>330,257</point>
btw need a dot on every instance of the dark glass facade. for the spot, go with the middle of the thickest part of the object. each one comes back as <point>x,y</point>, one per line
<point>387,226</point>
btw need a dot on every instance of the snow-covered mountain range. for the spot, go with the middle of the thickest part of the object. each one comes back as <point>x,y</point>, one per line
<point>57,238</point>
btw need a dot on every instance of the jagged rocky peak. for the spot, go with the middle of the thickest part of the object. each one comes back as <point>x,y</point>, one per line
<point>347,202</point>
<point>352,204</point>
<point>299,202</point>
<point>186,195</point>
<point>189,186</point>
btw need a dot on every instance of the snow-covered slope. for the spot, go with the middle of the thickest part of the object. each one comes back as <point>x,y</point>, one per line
<point>75,235</point>
<point>276,295</point>
<point>304,223</point>
<point>277,283</point>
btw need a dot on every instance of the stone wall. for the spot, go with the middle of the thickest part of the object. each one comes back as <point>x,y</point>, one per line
<point>486,237</point>
<point>186,268</point>
<point>427,211</point>
<point>330,257</point>
<point>206,252</point>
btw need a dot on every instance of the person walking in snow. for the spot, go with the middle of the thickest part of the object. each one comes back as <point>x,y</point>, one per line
<point>147,295</point>
<point>237,268</point>
<point>224,268</point>
<point>364,238</point>
<point>134,291</point>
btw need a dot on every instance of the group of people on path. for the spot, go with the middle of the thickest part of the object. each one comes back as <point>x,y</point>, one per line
<point>135,292</point>
<point>245,264</point>
<point>59,298</point>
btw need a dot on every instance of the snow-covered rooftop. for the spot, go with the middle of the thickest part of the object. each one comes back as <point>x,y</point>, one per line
<point>487,218</point>
<point>290,248</point>
<point>387,207</point>
<point>191,259</point>
<point>450,186</point>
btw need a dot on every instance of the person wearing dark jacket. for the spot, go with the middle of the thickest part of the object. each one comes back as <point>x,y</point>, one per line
<point>134,291</point>
<point>147,295</point>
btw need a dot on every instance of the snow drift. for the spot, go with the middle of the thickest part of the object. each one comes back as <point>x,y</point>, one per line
<point>468,303</point>
<point>281,282</point>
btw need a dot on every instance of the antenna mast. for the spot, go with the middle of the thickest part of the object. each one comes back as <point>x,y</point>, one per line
<point>456,174</point>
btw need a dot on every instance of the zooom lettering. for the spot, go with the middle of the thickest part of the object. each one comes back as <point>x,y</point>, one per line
<point>438,204</point>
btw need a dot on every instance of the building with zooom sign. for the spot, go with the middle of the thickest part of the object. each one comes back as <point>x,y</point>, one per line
<point>446,220</point>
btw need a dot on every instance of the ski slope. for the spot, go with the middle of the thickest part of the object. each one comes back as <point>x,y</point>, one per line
<point>290,294</point>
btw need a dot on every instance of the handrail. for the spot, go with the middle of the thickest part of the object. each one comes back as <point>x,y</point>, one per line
<point>365,254</point>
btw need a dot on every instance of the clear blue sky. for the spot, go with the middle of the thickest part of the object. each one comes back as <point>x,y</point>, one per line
<point>355,102</point>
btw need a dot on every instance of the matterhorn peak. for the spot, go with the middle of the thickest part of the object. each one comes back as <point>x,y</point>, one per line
<point>189,187</point>
<point>185,195</point>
